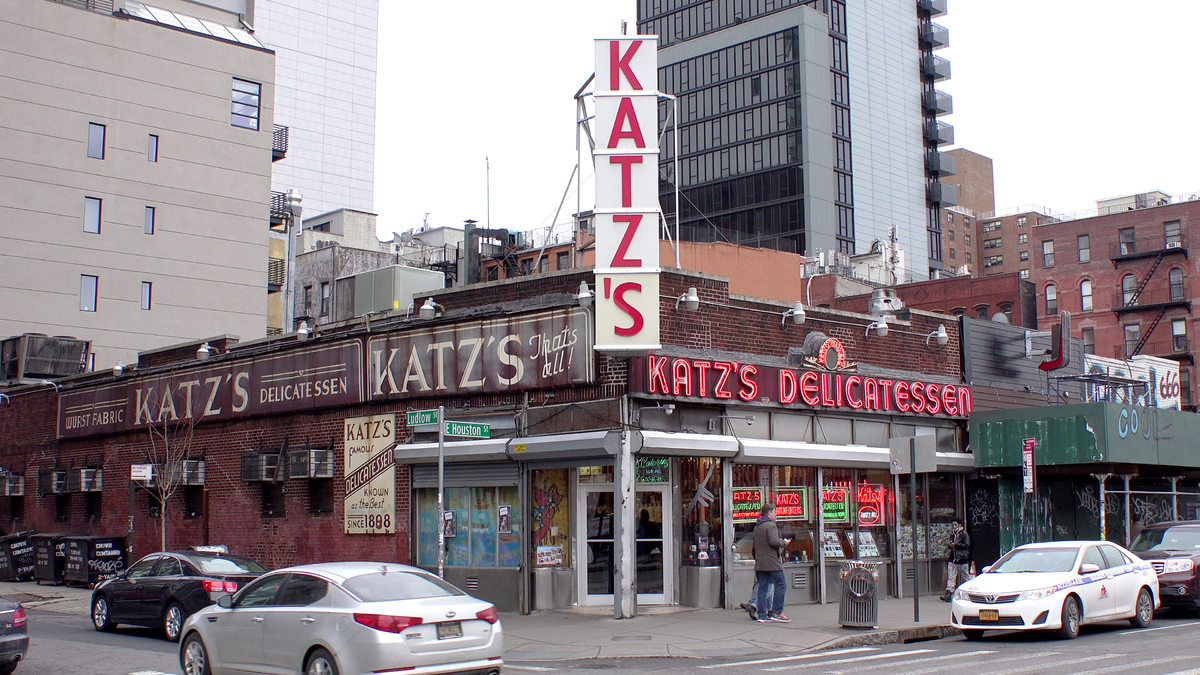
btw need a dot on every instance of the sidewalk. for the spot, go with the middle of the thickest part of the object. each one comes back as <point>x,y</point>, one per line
<point>60,599</point>
<point>674,631</point>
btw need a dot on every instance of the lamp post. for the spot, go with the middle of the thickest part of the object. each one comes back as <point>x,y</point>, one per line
<point>294,208</point>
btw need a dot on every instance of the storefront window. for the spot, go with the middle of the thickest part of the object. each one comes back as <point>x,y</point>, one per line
<point>549,517</point>
<point>791,488</point>
<point>838,503</point>
<point>904,506</point>
<point>943,507</point>
<point>595,474</point>
<point>484,530</point>
<point>700,487</point>
<point>874,514</point>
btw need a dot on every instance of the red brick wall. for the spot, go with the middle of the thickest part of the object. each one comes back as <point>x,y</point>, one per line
<point>966,294</point>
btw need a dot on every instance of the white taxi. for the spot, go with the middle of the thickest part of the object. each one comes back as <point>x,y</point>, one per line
<point>1057,586</point>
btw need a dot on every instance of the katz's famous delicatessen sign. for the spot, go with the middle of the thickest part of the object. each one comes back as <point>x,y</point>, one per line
<point>298,379</point>
<point>817,389</point>
<point>370,501</point>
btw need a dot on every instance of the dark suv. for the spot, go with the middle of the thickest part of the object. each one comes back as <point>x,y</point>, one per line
<point>1174,551</point>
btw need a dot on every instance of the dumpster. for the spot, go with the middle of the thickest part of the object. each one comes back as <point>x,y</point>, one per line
<point>50,558</point>
<point>859,607</point>
<point>92,559</point>
<point>16,556</point>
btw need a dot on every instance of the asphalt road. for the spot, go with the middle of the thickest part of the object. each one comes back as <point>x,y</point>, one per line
<point>67,645</point>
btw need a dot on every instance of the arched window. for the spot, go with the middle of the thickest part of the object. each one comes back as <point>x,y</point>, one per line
<point>1176,278</point>
<point>1128,289</point>
<point>1085,295</point>
<point>1051,299</point>
<point>1007,308</point>
<point>981,311</point>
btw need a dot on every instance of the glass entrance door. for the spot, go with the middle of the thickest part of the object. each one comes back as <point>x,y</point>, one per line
<point>652,545</point>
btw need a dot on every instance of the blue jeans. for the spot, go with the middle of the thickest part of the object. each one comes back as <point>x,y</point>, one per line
<point>754,594</point>
<point>764,580</point>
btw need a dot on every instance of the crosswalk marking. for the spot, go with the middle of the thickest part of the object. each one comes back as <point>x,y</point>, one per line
<point>1147,630</point>
<point>799,657</point>
<point>856,659</point>
<point>1041,666</point>
<point>538,669</point>
<point>928,659</point>
<point>1136,664</point>
<point>954,666</point>
<point>1193,671</point>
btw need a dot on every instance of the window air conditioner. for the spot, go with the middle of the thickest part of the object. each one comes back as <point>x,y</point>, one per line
<point>193,472</point>
<point>260,468</point>
<point>58,482</point>
<point>1174,244</point>
<point>91,480</point>
<point>74,480</point>
<point>310,463</point>
<point>14,485</point>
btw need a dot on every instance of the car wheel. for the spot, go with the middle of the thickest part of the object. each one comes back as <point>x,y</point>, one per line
<point>1144,610</point>
<point>320,662</point>
<point>173,621</point>
<point>194,657</point>
<point>1070,619</point>
<point>973,634</point>
<point>101,614</point>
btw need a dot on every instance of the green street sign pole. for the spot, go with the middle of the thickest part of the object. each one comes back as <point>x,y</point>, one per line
<point>441,491</point>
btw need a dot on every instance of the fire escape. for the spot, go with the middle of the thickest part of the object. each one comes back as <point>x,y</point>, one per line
<point>1141,299</point>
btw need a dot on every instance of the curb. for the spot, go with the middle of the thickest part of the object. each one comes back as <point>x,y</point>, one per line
<point>889,637</point>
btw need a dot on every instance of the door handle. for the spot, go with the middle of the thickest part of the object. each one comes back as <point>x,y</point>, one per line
<point>308,619</point>
<point>257,619</point>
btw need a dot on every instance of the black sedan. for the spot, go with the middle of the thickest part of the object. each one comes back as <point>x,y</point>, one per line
<point>164,589</point>
<point>14,635</point>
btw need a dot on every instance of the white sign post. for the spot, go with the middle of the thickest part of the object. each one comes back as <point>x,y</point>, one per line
<point>627,209</point>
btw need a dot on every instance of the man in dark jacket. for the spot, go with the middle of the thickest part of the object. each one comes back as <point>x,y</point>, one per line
<point>768,569</point>
<point>958,566</point>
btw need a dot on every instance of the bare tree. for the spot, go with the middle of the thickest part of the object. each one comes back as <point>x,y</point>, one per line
<point>170,445</point>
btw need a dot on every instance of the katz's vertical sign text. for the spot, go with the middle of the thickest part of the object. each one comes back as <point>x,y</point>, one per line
<point>370,503</point>
<point>627,210</point>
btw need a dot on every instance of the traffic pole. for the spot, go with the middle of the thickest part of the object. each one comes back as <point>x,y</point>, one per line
<point>912,495</point>
<point>441,491</point>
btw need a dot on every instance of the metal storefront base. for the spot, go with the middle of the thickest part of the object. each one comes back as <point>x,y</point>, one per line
<point>700,586</point>
<point>552,587</point>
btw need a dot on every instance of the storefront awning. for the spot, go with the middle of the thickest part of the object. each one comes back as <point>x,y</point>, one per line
<point>688,445</point>
<point>566,446</point>
<point>955,462</point>
<point>457,451</point>
<point>756,451</point>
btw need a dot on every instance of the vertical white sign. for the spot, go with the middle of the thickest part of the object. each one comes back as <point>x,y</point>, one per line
<point>370,502</point>
<point>627,210</point>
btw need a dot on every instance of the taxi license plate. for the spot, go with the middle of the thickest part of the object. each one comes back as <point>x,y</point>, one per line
<point>449,629</point>
<point>989,615</point>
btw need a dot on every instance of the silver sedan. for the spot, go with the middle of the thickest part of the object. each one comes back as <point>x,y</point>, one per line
<point>348,618</point>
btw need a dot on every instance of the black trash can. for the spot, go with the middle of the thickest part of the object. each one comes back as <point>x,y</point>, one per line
<point>92,559</point>
<point>16,556</point>
<point>50,558</point>
<point>859,607</point>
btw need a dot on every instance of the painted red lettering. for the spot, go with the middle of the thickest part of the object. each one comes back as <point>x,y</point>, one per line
<point>871,393</point>
<point>851,383</point>
<point>626,162</point>
<point>658,375</point>
<point>626,113</point>
<point>749,390</point>
<point>901,396</point>
<point>931,395</point>
<point>788,386</point>
<point>719,389</point>
<point>619,65</point>
<point>681,373</point>
<point>624,306</point>
<point>809,389</point>
<point>619,259</point>
<point>918,396</point>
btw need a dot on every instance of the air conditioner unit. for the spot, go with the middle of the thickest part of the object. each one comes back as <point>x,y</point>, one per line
<point>261,468</point>
<point>310,463</point>
<point>14,485</point>
<point>91,480</point>
<point>74,480</point>
<point>193,472</point>
<point>58,482</point>
<point>1174,244</point>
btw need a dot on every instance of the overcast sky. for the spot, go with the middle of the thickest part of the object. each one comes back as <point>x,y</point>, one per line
<point>1073,100</point>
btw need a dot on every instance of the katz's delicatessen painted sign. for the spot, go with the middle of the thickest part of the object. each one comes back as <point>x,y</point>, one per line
<point>370,502</point>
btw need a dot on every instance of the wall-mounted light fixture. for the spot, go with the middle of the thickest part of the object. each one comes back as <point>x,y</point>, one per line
<point>585,295</point>
<point>5,398</point>
<point>797,313</point>
<point>880,327</point>
<point>712,421</point>
<point>302,332</point>
<point>49,383</point>
<point>939,336</point>
<point>690,300</point>
<point>430,309</point>
<point>667,408</point>
<point>118,369</point>
<point>204,352</point>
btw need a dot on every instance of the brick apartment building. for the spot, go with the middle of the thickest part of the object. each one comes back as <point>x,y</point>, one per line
<point>979,298</point>
<point>1125,278</point>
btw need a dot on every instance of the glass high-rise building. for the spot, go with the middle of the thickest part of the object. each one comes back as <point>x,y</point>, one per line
<point>805,125</point>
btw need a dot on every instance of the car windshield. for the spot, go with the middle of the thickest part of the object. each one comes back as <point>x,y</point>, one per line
<point>1169,539</point>
<point>384,586</point>
<point>229,564</point>
<point>1036,560</point>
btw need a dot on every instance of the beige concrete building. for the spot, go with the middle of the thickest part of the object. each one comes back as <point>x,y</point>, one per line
<point>135,174</point>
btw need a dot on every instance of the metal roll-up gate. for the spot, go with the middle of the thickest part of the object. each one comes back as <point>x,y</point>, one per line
<point>466,474</point>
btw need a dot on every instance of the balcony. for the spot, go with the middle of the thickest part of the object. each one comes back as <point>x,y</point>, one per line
<point>934,36</point>
<point>1144,247</point>
<point>1174,347</point>
<point>276,274</point>
<point>939,164</point>
<point>933,7</point>
<point>279,143</point>
<point>279,209</point>
<point>935,68</point>
<point>1175,296</point>
<point>939,133</point>
<point>101,6</point>
<point>943,194</point>
<point>937,103</point>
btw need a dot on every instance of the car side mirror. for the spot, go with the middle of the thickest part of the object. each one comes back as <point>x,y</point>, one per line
<point>225,601</point>
<point>1088,568</point>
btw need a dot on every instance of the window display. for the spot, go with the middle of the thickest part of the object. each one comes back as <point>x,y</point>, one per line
<point>549,517</point>
<point>475,539</point>
<point>700,487</point>
<point>790,487</point>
